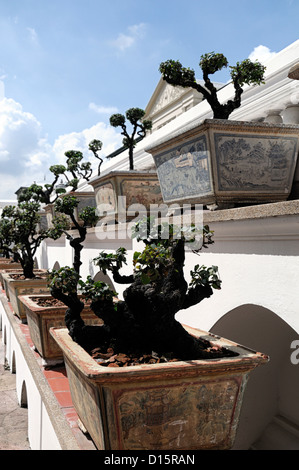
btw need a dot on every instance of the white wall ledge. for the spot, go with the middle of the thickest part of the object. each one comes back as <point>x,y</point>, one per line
<point>48,428</point>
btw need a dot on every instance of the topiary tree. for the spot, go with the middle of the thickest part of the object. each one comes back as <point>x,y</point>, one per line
<point>145,320</point>
<point>72,172</point>
<point>22,221</point>
<point>245,72</point>
<point>44,194</point>
<point>64,282</point>
<point>139,128</point>
<point>95,146</point>
<point>67,205</point>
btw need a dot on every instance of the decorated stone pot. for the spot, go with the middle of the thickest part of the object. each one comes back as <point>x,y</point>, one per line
<point>223,161</point>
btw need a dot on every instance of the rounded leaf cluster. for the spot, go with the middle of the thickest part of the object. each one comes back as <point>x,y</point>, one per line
<point>203,276</point>
<point>96,290</point>
<point>152,263</point>
<point>89,216</point>
<point>57,169</point>
<point>64,280</point>
<point>95,145</point>
<point>111,261</point>
<point>66,204</point>
<point>175,73</point>
<point>248,72</point>
<point>212,62</point>
<point>117,120</point>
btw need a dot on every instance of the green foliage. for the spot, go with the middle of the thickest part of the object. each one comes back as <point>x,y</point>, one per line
<point>25,237</point>
<point>76,167</point>
<point>139,128</point>
<point>24,219</point>
<point>64,280</point>
<point>6,238</point>
<point>96,290</point>
<point>61,223</point>
<point>148,231</point>
<point>211,62</point>
<point>248,72</point>
<point>152,263</point>
<point>111,261</point>
<point>95,146</point>
<point>203,276</point>
<point>34,193</point>
<point>66,204</point>
<point>57,170</point>
<point>89,216</point>
<point>117,120</point>
<point>245,72</point>
<point>174,73</point>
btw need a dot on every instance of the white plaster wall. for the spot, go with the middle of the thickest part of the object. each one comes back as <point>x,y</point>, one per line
<point>41,434</point>
<point>268,281</point>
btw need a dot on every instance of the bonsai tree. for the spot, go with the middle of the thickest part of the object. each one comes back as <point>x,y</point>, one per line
<point>6,240</point>
<point>145,320</point>
<point>139,128</point>
<point>66,205</point>
<point>64,281</point>
<point>44,193</point>
<point>72,172</point>
<point>22,222</point>
<point>245,72</point>
<point>95,146</point>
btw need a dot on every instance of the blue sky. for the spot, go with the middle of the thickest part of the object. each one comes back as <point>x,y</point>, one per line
<point>67,65</point>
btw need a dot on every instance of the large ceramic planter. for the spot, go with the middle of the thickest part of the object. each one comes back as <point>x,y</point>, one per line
<point>180,405</point>
<point>6,263</point>
<point>8,266</point>
<point>223,161</point>
<point>8,270</point>
<point>3,279</point>
<point>116,191</point>
<point>41,318</point>
<point>17,287</point>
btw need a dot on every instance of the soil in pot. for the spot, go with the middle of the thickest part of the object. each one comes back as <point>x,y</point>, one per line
<point>108,357</point>
<point>21,277</point>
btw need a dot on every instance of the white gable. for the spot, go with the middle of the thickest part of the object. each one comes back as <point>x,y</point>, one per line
<point>168,102</point>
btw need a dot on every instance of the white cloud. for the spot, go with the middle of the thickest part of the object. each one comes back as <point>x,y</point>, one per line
<point>2,89</point>
<point>261,53</point>
<point>32,35</point>
<point>102,109</point>
<point>137,30</point>
<point>26,154</point>
<point>124,41</point>
<point>20,136</point>
<point>110,138</point>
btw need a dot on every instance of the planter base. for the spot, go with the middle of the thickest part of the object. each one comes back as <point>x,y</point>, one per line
<point>173,406</point>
